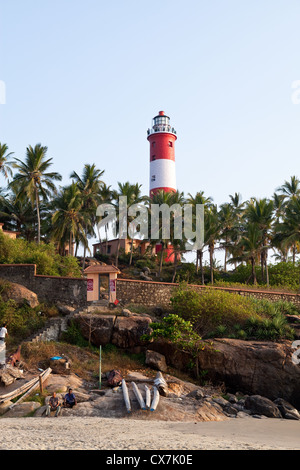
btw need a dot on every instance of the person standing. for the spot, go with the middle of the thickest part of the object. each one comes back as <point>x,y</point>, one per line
<point>3,333</point>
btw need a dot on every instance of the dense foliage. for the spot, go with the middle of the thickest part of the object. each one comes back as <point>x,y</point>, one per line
<point>219,313</point>
<point>46,258</point>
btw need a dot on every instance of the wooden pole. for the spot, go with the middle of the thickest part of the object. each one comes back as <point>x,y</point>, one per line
<point>100,369</point>
<point>41,383</point>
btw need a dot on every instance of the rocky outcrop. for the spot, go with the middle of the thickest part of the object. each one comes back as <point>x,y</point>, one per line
<point>123,332</point>
<point>252,367</point>
<point>127,331</point>
<point>20,295</point>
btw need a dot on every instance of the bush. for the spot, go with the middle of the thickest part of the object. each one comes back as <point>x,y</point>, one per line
<point>74,336</point>
<point>47,260</point>
<point>215,313</point>
<point>211,308</point>
<point>22,320</point>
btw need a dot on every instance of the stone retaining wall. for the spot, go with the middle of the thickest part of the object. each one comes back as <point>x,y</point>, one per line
<point>52,289</point>
<point>158,294</point>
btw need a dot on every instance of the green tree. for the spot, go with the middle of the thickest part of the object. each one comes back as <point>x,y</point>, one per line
<point>5,164</point>
<point>199,199</point>
<point>89,184</point>
<point>133,195</point>
<point>68,220</point>
<point>34,179</point>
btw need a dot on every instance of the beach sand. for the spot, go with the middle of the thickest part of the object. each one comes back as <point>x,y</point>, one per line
<point>65,433</point>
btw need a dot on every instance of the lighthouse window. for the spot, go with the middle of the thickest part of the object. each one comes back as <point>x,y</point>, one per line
<point>153,144</point>
<point>153,178</point>
<point>153,157</point>
<point>170,144</point>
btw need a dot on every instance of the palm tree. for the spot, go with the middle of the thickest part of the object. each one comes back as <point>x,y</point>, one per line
<point>199,199</point>
<point>34,180</point>
<point>289,229</point>
<point>89,185</point>
<point>290,189</point>
<point>68,221</point>
<point>4,163</point>
<point>133,194</point>
<point>105,198</point>
<point>227,216</point>
<point>260,212</point>
<point>251,248</point>
<point>19,214</point>
<point>161,198</point>
<point>211,235</point>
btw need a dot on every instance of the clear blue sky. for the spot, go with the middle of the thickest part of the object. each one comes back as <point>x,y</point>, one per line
<point>86,77</point>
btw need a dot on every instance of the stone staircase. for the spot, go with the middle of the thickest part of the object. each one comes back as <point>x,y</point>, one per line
<point>54,327</point>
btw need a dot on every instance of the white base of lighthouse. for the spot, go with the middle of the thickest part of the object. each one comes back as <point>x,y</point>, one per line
<point>162,174</point>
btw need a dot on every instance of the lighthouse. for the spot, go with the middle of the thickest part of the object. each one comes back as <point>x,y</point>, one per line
<point>162,139</point>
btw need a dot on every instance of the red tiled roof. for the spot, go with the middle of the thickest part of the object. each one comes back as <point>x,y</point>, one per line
<point>97,268</point>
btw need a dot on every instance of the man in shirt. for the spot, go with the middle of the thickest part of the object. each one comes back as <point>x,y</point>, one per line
<point>70,399</point>
<point>53,405</point>
<point>3,332</point>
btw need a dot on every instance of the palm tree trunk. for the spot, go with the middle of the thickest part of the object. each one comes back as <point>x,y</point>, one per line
<point>201,266</point>
<point>161,259</point>
<point>131,251</point>
<point>70,243</point>
<point>38,215</point>
<point>225,257</point>
<point>84,248</point>
<point>117,253</point>
<point>253,270</point>
<point>175,266</point>
<point>211,261</point>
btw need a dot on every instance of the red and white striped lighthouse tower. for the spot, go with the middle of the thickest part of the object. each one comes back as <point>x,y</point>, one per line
<point>162,139</point>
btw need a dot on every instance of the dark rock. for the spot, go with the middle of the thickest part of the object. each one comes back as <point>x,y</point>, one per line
<point>232,398</point>
<point>127,332</point>
<point>98,327</point>
<point>286,409</point>
<point>156,360</point>
<point>262,406</point>
<point>197,394</point>
<point>230,410</point>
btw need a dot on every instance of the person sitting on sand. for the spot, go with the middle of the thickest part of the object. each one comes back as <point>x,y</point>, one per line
<point>53,405</point>
<point>70,400</point>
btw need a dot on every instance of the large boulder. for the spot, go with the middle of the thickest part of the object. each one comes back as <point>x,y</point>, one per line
<point>156,360</point>
<point>20,294</point>
<point>253,367</point>
<point>22,409</point>
<point>262,406</point>
<point>286,409</point>
<point>127,331</point>
<point>97,328</point>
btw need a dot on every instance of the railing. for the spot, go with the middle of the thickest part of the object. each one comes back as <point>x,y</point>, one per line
<point>168,129</point>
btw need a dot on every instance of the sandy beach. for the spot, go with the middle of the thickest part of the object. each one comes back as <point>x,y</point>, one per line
<point>116,434</point>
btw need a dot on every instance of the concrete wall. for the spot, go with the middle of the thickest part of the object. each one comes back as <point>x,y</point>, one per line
<point>52,289</point>
<point>158,294</point>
